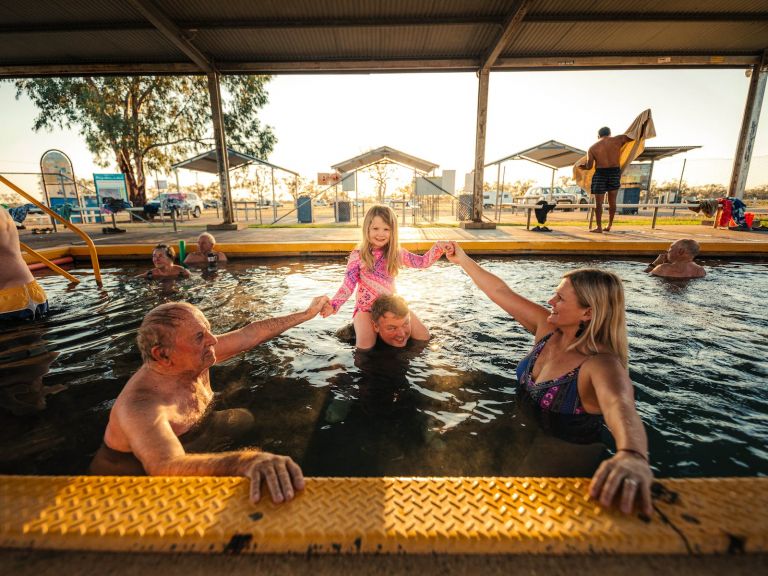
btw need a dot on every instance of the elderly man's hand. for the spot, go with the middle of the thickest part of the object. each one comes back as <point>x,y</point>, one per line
<point>317,305</point>
<point>327,310</point>
<point>625,474</point>
<point>281,474</point>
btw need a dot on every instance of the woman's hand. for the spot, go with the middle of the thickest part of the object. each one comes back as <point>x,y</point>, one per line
<point>453,252</point>
<point>628,475</point>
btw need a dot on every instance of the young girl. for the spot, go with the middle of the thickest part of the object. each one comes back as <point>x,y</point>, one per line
<point>162,258</point>
<point>372,267</point>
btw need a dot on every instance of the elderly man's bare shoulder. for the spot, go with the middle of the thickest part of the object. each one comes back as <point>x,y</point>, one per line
<point>144,390</point>
<point>691,270</point>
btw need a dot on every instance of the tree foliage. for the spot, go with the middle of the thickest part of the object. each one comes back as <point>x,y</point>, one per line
<point>150,122</point>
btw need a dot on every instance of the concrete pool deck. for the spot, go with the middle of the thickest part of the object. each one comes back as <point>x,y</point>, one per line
<point>623,240</point>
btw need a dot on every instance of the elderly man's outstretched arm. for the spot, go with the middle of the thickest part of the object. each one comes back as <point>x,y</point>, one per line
<point>260,331</point>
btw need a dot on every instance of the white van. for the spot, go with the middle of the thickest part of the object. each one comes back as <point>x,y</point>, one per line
<point>490,198</point>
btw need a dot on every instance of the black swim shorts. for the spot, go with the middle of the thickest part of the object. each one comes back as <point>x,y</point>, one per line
<point>606,179</point>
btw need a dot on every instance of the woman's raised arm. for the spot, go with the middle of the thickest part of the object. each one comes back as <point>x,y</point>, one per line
<point>532,316</point>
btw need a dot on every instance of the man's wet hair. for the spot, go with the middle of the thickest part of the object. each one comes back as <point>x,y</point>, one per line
<point>159,327</point>
<point>604,131</point>
<point>389,303</point>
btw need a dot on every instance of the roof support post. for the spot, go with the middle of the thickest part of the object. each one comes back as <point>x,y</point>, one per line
<point>748,133</point>
<point>222,155</point>
<point>482,121</point>
<point>510,27</point>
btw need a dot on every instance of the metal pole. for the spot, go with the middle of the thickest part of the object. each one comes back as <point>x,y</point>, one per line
<point>680,185</point>
<point>499,193</point>
<point>650,180</point>
<point>503,178</point>
<point>357,210</point>
<point>748,132</point>
<point>222,155</point>
<point>481,122</point>
<point>274,205</point>
<point>413,198</point>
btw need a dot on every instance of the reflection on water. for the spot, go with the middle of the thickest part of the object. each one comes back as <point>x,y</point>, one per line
<point>697,357</point>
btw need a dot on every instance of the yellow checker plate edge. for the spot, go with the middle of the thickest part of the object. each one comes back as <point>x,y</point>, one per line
<point>378,515</point>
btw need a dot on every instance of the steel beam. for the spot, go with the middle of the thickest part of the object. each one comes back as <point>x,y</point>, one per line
<point>222,156</point>
<point>482,121</point>
<point>510,27</point>
<point>748,131</point>
<point>173,33</point>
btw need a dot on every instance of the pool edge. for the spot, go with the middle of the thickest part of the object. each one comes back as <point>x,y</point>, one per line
<point>378,515</point>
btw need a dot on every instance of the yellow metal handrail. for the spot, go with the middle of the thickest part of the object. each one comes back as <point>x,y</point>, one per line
<point>50,264</point>
<point>65,222</point>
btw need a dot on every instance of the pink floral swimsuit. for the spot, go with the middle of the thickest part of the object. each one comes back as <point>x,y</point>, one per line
<point>373,283</point>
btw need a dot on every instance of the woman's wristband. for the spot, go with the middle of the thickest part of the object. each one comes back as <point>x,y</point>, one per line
<point>633,451</point>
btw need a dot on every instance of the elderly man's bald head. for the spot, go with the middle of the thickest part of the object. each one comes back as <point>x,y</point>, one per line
<point>160,325</point>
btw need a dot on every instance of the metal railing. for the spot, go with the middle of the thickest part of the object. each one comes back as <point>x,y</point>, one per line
<point>654,207</point>
<point>91,246</point>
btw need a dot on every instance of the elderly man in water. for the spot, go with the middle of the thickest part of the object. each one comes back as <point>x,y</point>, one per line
<point>170,395</point>
<point>677,261</point>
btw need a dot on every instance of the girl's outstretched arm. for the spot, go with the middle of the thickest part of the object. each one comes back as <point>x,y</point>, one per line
<point>411,260</point>
<point>351,278</point>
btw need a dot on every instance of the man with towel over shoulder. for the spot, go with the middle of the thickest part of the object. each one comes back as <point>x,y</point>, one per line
<point>600,171</point>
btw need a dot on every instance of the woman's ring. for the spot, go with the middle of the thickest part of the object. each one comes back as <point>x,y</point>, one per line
<point>631,481</point>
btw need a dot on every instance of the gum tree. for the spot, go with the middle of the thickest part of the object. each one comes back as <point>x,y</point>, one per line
<point>149,122</point>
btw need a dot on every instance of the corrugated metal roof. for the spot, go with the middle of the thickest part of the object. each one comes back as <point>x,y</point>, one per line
<point>117,36</point>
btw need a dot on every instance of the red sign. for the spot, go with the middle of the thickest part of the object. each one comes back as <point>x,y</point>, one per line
<point>328,178</point>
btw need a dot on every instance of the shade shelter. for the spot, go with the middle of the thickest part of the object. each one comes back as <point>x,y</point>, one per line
<point>385,153</point>
<point>654,153</point>
<point>209,162</point>
<point>551,154</point>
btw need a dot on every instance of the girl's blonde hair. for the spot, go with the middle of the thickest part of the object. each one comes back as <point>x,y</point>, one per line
<point>391,250</point>
<point>603,292</point>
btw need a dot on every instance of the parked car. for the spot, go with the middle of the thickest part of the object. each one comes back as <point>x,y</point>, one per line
<point>579,196</point>
<point>178,202</point>
<point>211,203</point>
<point>554,194</point>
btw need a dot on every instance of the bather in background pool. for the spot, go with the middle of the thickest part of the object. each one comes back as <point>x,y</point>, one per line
<point>697,357</point>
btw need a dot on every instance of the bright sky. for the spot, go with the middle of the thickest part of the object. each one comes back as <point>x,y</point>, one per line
<point>321,120</point>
